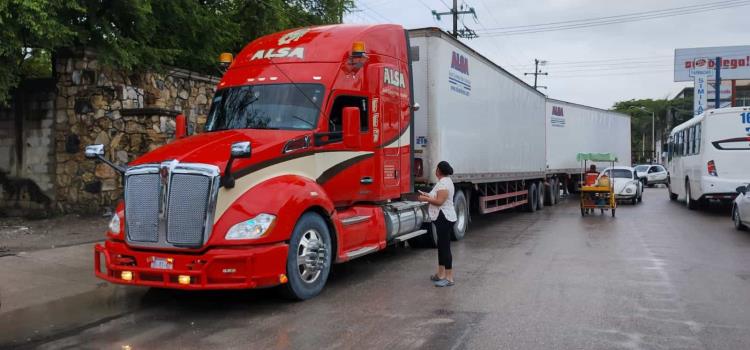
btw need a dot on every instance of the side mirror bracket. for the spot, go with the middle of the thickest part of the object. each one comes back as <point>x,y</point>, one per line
<point>238,150</point>
<point>96,152</point>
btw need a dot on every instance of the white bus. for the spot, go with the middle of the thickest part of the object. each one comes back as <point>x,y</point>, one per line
<point>709,156</point>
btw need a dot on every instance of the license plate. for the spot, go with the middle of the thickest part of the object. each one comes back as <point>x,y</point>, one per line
<point>161,263</point>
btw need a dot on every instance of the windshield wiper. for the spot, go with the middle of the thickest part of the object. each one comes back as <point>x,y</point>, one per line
<point>304,121</point>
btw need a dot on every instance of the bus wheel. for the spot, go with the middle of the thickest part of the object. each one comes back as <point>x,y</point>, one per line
<point>689,201</point>
<point>309,259</point>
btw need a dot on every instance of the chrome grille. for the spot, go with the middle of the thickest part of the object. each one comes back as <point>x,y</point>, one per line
<point>170,204</point>
<point>187,209</point>
<point>142,207</point>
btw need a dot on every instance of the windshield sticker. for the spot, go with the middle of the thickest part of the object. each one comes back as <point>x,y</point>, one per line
<point>458,75</point>
<point>293,36</point>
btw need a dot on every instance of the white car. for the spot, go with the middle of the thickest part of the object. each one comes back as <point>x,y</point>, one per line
<point>652,174</point>
<point>626,183</point>
<point>741,208</point>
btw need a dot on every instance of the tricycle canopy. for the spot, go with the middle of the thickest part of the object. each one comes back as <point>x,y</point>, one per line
<point>596,157</point>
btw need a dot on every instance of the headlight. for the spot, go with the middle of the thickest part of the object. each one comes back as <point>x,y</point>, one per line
<point>254,228</point>
<point>114,224</point>
<point>629,190</point>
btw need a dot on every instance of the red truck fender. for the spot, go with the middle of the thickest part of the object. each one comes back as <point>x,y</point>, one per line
<point>287,197</point>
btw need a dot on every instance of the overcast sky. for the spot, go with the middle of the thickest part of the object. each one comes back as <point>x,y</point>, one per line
<point>633,60</point>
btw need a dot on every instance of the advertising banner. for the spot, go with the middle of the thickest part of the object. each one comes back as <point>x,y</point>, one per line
<point>735,62</point>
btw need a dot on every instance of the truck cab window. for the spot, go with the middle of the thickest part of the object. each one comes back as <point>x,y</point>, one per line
<point>335,120</point>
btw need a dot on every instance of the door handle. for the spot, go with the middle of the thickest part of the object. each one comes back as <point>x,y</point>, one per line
<point>366,180</point>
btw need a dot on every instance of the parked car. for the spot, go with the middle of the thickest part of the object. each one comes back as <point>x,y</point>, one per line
<point>627,185</point>
<point>741,208</point>
<point>652,175</point>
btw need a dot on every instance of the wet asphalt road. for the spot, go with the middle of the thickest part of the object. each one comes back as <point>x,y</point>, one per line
<point>655,277</point>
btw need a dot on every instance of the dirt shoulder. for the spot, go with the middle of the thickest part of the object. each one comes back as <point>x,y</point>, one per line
<point>21,234</point>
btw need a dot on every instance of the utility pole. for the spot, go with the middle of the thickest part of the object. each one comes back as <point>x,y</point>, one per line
<point>537,73</point>
<point>455,12</point>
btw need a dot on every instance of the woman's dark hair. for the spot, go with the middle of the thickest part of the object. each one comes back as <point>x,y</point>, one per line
<point>445,168</point>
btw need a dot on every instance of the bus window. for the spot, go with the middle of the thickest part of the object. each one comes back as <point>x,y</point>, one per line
<point>697,139</point>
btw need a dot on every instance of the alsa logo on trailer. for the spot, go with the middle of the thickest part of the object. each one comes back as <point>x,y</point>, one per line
<point>458,74</point>
<point>460,63</point>
<point>394,78</point>
<point>558,117</point>
<point>558,111</point>
<point>284,52</point>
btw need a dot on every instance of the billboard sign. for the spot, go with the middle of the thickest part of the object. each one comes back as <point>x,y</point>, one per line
<point>700,91</point>
<point>735,62</point>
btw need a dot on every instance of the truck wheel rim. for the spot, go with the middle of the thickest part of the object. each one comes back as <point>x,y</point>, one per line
<point>311,256</point>
<point>461,219</point>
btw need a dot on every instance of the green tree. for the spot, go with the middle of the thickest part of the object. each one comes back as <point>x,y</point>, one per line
<point>144,34</point>
<point>667,115</point>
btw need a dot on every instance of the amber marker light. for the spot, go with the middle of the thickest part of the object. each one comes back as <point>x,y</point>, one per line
<point>183,279</point>
<point>225,58</point>
<point>283,279</point>
<point>126,275</point>
<point>358,49</point>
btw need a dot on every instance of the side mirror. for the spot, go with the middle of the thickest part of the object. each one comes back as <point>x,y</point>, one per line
<point>741,189</point>
<point>180,129</point>
<point>351,127</point>
<point>94,151</point>
<point>241,149</point>
<point>97,152</point>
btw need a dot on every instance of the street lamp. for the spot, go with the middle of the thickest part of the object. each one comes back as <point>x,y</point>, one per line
<point>653,128</point>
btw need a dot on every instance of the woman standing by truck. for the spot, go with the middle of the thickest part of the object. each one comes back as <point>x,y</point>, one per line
<point>443,214</point>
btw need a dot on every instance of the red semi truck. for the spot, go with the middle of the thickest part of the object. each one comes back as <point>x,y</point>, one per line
<point>310,157</point>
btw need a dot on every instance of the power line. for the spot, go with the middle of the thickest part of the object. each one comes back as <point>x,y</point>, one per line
<point>600,21</point>
<point>455,12</point>
<point>375,12</point>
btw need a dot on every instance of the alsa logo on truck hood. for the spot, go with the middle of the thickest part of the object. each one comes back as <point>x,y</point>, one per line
<point>394,78</point>
<point>284,52</point>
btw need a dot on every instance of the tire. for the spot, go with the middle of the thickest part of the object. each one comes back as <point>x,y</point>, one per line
<point>737,220</point>
<point>634,201</point>
<point>672,196</point>
<point>640,198</point>
<point>531,198</point>
<point>308,276</point>
<point>427,240</point>
<point>689,201</point>
<point>557,191</point>
<point>462,216</point>
<point>549,193</point>
<point>613,212</point>
<point>583,212</point>
<point>540,190</point>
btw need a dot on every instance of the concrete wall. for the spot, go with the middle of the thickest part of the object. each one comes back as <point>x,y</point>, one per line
<point>27,154</point>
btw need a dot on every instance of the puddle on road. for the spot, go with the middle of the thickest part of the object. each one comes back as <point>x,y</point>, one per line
<point>31,325</point>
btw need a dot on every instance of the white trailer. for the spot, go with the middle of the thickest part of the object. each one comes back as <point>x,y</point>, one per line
<point>483,120</point>
<point>573,128</point>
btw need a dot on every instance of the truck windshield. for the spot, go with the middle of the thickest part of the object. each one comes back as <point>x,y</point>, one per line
<point>277,106</point>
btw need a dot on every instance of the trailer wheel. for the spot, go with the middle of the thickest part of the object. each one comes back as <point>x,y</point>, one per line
<point>549,192</point>
<point>557,191</point>
<point>531,198</point>
<point>309,258</point>
<point>540,195</point>
<point>462,216</point>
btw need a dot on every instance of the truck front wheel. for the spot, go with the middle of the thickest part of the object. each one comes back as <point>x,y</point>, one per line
<point>531,198</point>
<point>309,259</point>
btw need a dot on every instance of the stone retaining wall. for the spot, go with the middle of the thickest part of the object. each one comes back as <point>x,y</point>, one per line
<point>129,114</point>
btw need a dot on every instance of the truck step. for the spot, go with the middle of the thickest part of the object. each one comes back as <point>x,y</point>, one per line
<point>410,235</point>
<point>361,251</point>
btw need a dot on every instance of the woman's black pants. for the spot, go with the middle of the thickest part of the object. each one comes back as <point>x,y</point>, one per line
<point>444,229</point>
